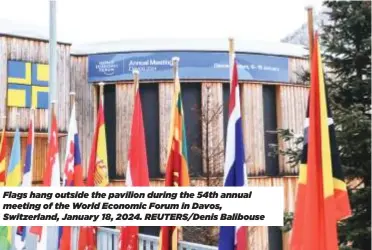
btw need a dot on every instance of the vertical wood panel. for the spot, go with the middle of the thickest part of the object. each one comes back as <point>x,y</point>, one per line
<point>290,189</point>
<point>85,106</point>
<point>252,119</point>
<point>212,118</point>
<point>36,52</point>
<point>165,103</point>
<point>40,152</point>
<point>292,103</point>
<point>3,78</point>
<point>124,111</point>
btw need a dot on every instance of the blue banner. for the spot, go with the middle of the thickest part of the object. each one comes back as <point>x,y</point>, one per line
<point>192,65</point>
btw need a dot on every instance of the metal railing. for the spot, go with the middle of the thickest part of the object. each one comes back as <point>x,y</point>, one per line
<point>107,239</point>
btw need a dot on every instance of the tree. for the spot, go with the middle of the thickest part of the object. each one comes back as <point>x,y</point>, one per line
<point>212,152</point>
<point>346,44</point>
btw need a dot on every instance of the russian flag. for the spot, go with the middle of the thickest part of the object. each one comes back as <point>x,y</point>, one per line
<point>27,178</point>
<point>235,173</point>
<point>72,174</point>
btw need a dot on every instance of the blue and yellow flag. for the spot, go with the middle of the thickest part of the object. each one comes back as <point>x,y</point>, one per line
<point>14,172</point>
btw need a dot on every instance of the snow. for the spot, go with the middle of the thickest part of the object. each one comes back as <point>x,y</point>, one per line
<point>259,47</point>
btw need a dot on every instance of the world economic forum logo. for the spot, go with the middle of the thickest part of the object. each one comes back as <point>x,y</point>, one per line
<point>107,67</point>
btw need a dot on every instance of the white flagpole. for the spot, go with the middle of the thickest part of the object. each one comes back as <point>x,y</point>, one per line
<point>52,57</point>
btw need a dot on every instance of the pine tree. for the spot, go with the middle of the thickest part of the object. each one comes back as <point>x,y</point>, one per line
<point>346,44</point>
<point>346,41</point>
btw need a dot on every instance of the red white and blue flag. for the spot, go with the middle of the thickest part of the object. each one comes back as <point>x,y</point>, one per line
<point>27,179</point>
<point>235,173</point>
<point>72,174</point>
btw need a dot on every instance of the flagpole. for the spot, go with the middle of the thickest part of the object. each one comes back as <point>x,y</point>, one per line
<point>136,80</point>
<point>4,122</point>
<point>72,100</point>
<point>175,61</point>
<point>52,58</point>
<point>310,26</point>
<point>231,57</point>
<point>101,86</point>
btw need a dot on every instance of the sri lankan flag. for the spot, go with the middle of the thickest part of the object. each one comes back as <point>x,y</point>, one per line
<point>177,164</point>
<point>3,144</point>
<point>322,198</point>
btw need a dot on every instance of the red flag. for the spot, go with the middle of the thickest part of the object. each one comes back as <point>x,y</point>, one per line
<point>322,198</point>
<point>51,176</point>
<point>137,169</point>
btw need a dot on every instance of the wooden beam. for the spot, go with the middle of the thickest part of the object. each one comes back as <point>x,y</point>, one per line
<point>37,135</point>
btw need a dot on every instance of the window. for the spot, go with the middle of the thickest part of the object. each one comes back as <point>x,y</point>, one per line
<point>191,99</point>
<point>150,109</point>
<point>110,123</point>
<point>270,124</point>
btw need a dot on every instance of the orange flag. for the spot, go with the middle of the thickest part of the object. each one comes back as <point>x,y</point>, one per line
<point>322,197</point>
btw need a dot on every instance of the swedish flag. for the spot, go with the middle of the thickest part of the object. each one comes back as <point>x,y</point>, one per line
<point>28,84</point>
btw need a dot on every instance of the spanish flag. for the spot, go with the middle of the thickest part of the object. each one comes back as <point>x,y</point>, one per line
<point>98,169</point>
<point>322,198</point>
<point>97,175</point>
<point>177,164</point>
<point>3,144</point>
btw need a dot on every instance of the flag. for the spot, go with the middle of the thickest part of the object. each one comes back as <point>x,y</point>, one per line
<point>14,171</point>
<point>3,144</point>
<point>137,170</point>
<point>177,163</point>
<point>72,174</point>
<point>98,170</point>
<point>322,197</point>
<point>97,175</point>
<point>51,178</point>
<point>235,172</point>
<point>26,180</point>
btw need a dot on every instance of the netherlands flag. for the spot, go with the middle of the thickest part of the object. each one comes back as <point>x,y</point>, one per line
<point>235,173</point>
<point>27,178</point>
<point>72,174</point>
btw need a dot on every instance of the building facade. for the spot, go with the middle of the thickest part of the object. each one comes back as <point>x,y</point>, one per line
<point>272,96</point>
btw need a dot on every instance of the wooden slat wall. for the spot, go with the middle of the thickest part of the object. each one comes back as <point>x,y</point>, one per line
<point>290,189</point>
<point>212,117</point>
<point>39,157</point>
<point>35,51</point>
<point>3,78</point>
<point>291,110</point>
<point>85,106</point>
<point>297,67</point>
<point>165,103</point>
<point>253,129</point>
<point>124,111</point>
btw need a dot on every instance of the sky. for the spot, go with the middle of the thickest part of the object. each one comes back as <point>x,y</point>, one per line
<point>90,21</point>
